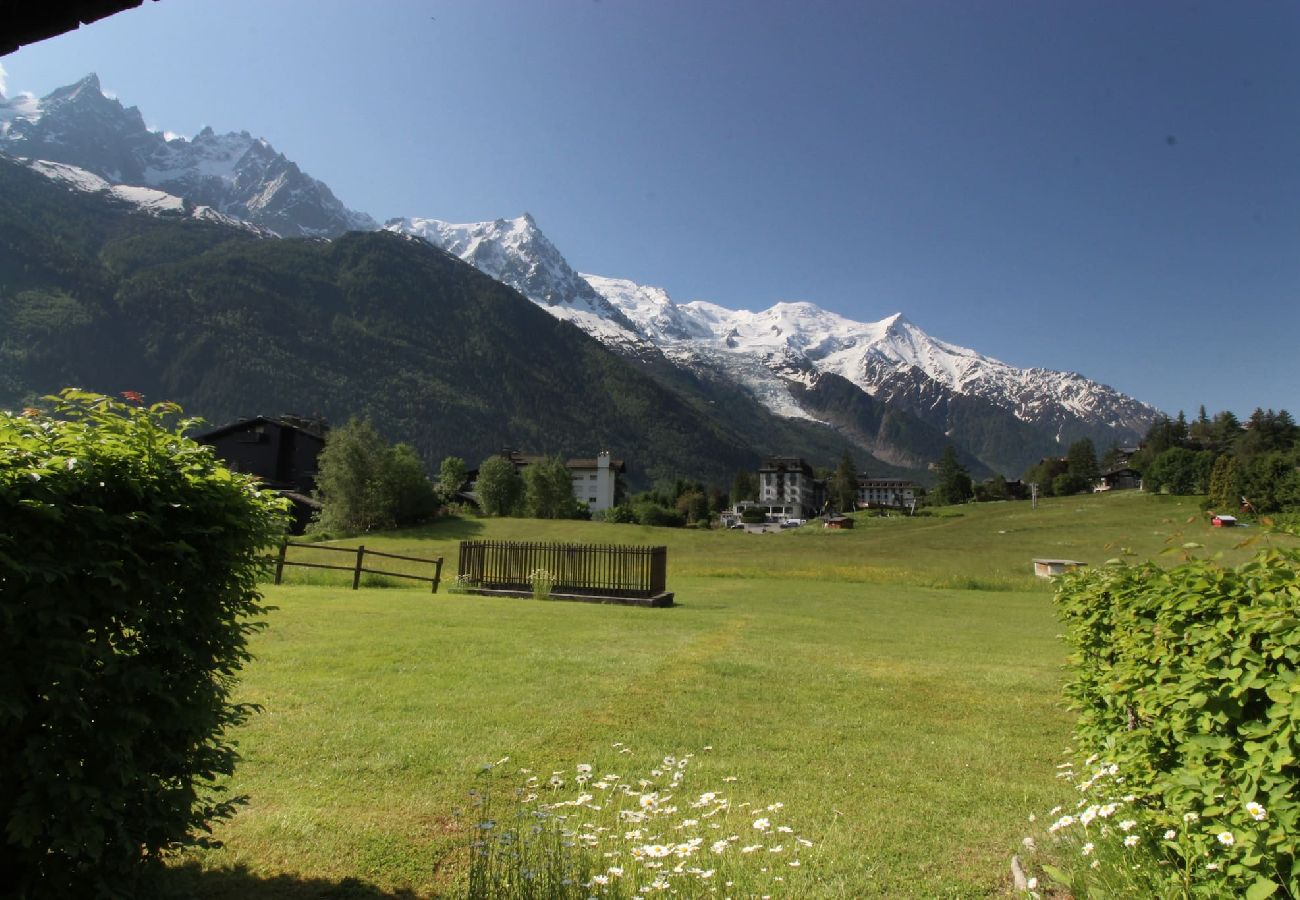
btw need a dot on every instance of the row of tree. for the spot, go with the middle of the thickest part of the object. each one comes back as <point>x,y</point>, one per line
<point>1256,462</point>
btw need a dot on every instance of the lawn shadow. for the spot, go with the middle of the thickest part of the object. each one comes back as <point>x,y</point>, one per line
<point>451,528</point>
<point>190,881</point>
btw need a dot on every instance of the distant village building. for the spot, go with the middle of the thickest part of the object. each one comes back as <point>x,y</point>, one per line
<point>281,452</point>
<point>594,479</point>
<point>787,488</point>
<point>887,493</point>
<point>1224,521</point>
<point>1120,480</point>
<point>838,523</point>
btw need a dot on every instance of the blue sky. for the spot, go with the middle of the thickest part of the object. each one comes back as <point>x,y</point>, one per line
<point>1108,188</point>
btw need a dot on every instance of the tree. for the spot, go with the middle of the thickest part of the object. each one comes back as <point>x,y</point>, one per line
<point>1081,462</point>
<point>954,485</point>
<point>842,486</point>
<point>363,484</point>
<point>408,495</point>
<point>451,476</point>
<point>499,486</point>
<point>744,487</point>
<point>349,479</point>
<point>548,490</point>
<point>1225,484</point>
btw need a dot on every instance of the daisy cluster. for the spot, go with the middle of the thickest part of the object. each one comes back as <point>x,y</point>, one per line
<point>595,833</point>
<point>1109,831</point>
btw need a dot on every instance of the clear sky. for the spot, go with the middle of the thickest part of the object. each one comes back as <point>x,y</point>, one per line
<point>1111,188</point>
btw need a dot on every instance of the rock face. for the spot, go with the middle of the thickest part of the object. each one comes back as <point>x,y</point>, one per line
<point>235,174</point>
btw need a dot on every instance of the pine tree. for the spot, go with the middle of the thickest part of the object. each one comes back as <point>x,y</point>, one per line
<point>954,485</point>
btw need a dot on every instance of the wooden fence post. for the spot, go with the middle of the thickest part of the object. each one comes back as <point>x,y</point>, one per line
<point>356,574</point>
<point>279,563</point>
<point>437,575</point>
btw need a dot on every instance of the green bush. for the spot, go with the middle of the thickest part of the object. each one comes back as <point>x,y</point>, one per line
<point>1187,681</point>
<point>129,561</point>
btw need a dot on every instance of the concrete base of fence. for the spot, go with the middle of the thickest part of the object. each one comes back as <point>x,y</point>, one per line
<point>664,599</point>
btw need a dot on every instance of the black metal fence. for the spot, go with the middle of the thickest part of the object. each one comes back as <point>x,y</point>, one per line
<point>604,570</point>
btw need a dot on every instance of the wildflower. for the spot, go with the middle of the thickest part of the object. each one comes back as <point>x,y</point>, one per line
<point>1257,812</point>
<point>1054,811</point>
<point>1127,825</point>
<point>133,396</point>
<point>1088,815</point>
<point>804,841</point>
<point>794,864</point>
<point>1226,838</point>
<point>707,873</point>
<point>1032,883</point>
<point>616,871</point>
<point>762,824</point>
<point>1131,840</point>
<point>1029,844</point>
<point>719,846</point>
<point>1190,817</point>
<point>598,880</point>
<point>1170,834</point>
<point>708,747</point>
<point>649,802</point>
<point>1212,867</point>
<point>784,829</point>
<point>30,412</point>
<point>751,848</point>
<point>1096,864</point>
<point>1107,810</point>
<point>557,781</point>
<point>1087,849</point>
<point>777,849</point>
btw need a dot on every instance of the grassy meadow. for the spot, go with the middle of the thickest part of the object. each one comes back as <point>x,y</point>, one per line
<point>896,687</point>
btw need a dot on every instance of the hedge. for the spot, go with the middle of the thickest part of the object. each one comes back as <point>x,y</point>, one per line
<point>1186,680</point>
<point>129,560</point>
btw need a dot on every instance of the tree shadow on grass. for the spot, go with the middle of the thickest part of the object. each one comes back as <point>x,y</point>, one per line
<point>190,881</point>
<point>451,528</point>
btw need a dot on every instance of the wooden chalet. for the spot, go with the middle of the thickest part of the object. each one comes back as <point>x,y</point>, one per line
<point>281,452</point>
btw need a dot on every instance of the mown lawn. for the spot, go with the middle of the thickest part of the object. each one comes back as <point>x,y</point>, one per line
<point>896,687</point>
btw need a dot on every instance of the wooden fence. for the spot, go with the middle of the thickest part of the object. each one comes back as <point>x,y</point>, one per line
<point>597,570</point>
<point>358,565</point>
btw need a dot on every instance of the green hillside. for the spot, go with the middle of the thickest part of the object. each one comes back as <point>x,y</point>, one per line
<point>371,324</point>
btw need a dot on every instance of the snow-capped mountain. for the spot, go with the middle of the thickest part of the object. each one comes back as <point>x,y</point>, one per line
<point>235,174</point>
<point>884,358</point>
<point>146,200</point>
<point>780,352</point>
<point>517,253</point>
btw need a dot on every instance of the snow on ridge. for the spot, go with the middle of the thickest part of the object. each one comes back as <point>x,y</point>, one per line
<point>146,199</point>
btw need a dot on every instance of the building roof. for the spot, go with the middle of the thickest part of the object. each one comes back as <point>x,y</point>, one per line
<point>577,462</point>
<point>886,482</point>
<point>785,463</point>
<point>315,429</point>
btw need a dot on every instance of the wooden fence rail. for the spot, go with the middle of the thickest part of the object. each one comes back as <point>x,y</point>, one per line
<point>358,565</point>
<point>603,570</point>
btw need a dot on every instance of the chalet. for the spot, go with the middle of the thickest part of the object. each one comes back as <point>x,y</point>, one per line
<point>838,523</point>
<point>886,493</point>
<point>1119,480</point>
<point>787,488</point>
<point>594,479</point>
<point>281,452</point>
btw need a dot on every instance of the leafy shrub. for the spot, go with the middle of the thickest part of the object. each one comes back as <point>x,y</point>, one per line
<point>129,561</point>
<point>1187,681</point>
<point>648,513</point>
